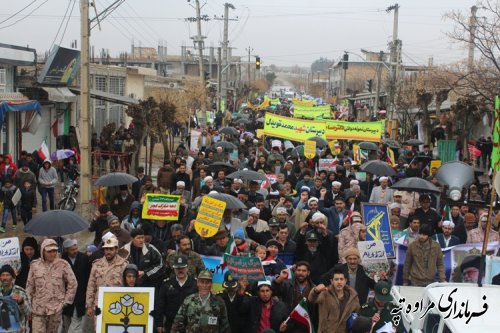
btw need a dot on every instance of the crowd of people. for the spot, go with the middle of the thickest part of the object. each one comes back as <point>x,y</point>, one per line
<point>304,227</point>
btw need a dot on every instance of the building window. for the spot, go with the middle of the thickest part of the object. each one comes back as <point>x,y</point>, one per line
<point>3,79</point>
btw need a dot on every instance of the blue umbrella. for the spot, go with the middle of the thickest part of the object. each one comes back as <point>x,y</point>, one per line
<point>61,154</point>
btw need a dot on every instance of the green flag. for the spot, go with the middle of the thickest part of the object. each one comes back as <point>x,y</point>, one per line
<point>495,154</point>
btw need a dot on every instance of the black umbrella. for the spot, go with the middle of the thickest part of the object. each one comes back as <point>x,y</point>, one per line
<point>243,121</point>
<point>297,151</point>
<point>391,143</point>
<point>229,130</point>
<point>115,179</point>
<point>368,146</point>
<point>247,175</point>
<point>413,142</point>
<point>231,202</point>
<point>415,184</point>
<point>320,142</point>
<point>378,167</point>
<point>225,145</point>
<point>56,223</point>
<point>216,166</point>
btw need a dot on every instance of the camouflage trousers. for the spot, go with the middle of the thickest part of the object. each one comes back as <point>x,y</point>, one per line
<point>46,324</point>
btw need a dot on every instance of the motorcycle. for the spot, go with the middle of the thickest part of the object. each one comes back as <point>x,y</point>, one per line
<point>68,197</point>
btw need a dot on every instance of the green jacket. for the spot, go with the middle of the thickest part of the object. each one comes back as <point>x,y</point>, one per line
<point>369,309</point>
<point>193,317</point>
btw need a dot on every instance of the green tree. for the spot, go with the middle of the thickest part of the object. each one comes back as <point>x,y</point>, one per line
<point>270,77</point>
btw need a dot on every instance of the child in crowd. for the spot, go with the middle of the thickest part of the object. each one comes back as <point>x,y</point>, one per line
<point>6,194</point>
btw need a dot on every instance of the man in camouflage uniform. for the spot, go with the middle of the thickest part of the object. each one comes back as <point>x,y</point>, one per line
<point>195,264</point>
<point>51,286</point>
<point>106,272</point>
<point>202,312</point>
<point>379,308</point>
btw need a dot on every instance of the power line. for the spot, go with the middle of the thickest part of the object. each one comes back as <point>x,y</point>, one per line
<point>28,15</point>
<point>60,25</point>
<point>66,26</point>
<point>144,22</point>
<point>20,10</point>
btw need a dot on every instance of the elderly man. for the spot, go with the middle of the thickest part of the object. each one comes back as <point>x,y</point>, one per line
<point>330,196</point>
<point>202,311</point>
<point>423,259</point>
<point>230,223</point>
<point>106,272</point>
<point>446,238</point>
<point>50,295</point>
<point>283,219</point>
<point>16,293</point>
<point>257,224</point>
<point>356,276</point>
<point>382,194</point>
<point>470,269</point>
<point>315,247</point>
<point>477,235</point>
<point>115,228</point>
<point>181,190</point>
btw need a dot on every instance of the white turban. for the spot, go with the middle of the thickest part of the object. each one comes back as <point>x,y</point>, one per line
<point>237,180</point>
<point>311,200</point>
<point>254,210</point>
<point>394,205</point>
<point>281,210</point>
<point>383,179</point>
<point>207,178</point>
<point>336,183</point>
<point>354,182</point>
<point>180,183</point>
<point>276,143</point>
<point>318,216</point>
<point>448,224</point>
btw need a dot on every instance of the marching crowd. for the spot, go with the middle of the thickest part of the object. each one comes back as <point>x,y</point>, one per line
<point>304,227</point>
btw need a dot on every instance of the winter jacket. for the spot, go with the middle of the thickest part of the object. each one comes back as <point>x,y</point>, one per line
<point>170,299</point>
<point>98,226</point>
<point>348,238</point>
<point>21,176</point>
<point>51,285</point>
<point>6,194</point>
<point>330,318</point>
<point>104,274</point>
<point>164,177</point>
<point>122,206</point>
<point>415,268</point>
<point>28,198</point>
<point>24,306</point>
<point>8,170</point>
<point>320,260</point>
<point>47,178</point>
<point>81,269</point>
<point>130,221</point>
<point>150,262</point>
<point>253,307</point>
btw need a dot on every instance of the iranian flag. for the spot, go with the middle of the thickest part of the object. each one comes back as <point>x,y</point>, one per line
<point>231,249</point>
<point>43,152</point>
<point>447,213</point>
<point>351,210</point>
<point>301,315</point>
<point>61,125</point>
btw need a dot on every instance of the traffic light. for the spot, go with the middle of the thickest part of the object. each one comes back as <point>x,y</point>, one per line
<point>345,61</point>
<point>257,62</point>
<point>368,85</point>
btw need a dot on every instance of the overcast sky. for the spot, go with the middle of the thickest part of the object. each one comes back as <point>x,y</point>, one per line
<point>282,32</point>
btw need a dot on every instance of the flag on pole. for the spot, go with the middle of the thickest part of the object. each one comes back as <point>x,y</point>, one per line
<point>231,249</point>
<point>447,213</point>
<point>349,213</point>
<point>43,152</point>
<point>495,154</point>
<point>390,157</point>
<point>61,125</point>
<point>301,314</point>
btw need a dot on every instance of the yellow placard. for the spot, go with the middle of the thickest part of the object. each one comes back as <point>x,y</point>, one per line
<point>311,112</point>
<point>298,102</point>
<point>259,133</point>
<point>435,164</point>
<point>334,147</point>
<point>263,105</point>
<point>360,131</point>
<point>161,207</point>
<point>390,152</point>
<point>309,149</point>
<point>356,153</point>
<point>209,216</point>
<point>125,305</point>
<point>292,129</point>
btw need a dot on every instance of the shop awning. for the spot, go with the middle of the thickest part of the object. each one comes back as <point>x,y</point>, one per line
<point>60,94</point>
<point>18,106</point>
<point>108,97</point>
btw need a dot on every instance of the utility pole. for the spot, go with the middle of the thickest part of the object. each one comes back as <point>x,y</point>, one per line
<point>377,94</point>
<point>394,61</point>
<point>219,78</point>
<point>472,29</point>
<point>249,49</point>
<point>200,43</point>
<point>84,125</point>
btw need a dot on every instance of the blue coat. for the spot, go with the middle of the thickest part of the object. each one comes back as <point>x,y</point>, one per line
<point>440,239</point>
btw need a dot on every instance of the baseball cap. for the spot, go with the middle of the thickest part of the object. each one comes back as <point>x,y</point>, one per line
<point>206,274</point>
<point>383,291</point>
<point>49,245</point>
<point>180,262</point>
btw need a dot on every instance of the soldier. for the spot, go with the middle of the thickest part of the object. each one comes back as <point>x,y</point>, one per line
<point>379,308</point>
<point>195,264</point>
<point>237,321</point>
<point>202,312</point>
<point>105,272</point>
<point>51,286</point>
<point>172,293</point>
